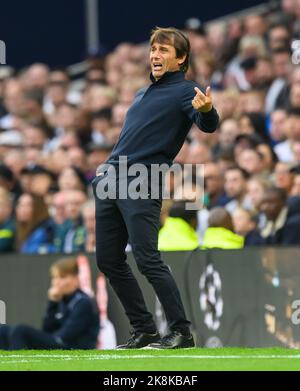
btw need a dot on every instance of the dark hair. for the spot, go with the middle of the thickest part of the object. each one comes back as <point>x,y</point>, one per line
<point>258,122</point>
<point>220,217</point>
<point>80,175</point>
<point>39,215</point>
<point>105,113</point>
<point>278,191</point>
<point>6,172</point>
<point>65,267</point>
<point>173,36</point>
<point>282,49</point>
<point>295,111</point>
<point>244,173</point>
<point>178,210</point>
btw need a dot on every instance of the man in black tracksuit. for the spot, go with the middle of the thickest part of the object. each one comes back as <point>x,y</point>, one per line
<point>155,128</point>
<point>71,320</point>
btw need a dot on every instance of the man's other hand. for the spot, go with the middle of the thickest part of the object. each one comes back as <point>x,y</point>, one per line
<point>202,102</point>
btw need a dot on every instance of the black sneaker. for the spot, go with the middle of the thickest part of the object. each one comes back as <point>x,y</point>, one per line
<point>140,340</point>
<point>174,340</point>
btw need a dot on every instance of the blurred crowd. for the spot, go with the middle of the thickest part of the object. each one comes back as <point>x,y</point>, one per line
<point>55,131</point>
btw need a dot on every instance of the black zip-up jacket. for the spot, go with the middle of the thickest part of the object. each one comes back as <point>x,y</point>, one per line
<point>159,120</point>
<point>73,321</point>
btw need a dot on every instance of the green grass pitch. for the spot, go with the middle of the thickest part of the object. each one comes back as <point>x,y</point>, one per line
<point>196,359</point>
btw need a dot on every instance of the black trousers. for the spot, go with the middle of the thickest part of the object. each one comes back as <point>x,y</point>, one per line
<point>118,220</point>
<point>26,337</point>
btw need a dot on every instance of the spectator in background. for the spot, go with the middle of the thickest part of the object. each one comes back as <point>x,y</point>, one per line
<point>283,222</point>
<point>256,188</point>
<point>214,186</point>
<point>77,158</point>
<point>15,160</point>
<point>13,103</point>
<point>245,141</point>
<point>89,221</point>
<point>7,180</point>
<point>228,132</point>
<point>253,123</point>
<point>57,207</point>
<point>295,191</point>
<point>283,177</point>
<point>236,188</point>
<point>277,94</point>
<point>97,154</point>
<point>35,137</point>
<point>292,133</point>
<point>296,151</point>
<point>279,36</point>
<point>276,130</point>
<point>72,178</point>
<point>36,77</point>
<point>245,225</point>
<point>199,153</point>
<point>251,161</point>
<point>34,230</point>
<point>70,236</point>
<point>268,158</point>
<point>71,320</point>
<point>220,231</point>
<point>179,230</point>
<point>38,180</point>
<point>7,224</point>
<point>100,123</point>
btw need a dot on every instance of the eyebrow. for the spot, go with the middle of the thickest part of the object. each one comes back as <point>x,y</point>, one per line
<point>162,46</point>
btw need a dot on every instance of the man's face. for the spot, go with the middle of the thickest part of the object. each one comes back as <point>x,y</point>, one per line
<point>271,206</point>
<point>213,179</point>
<point>74,201</point>
<point>64,284</point>
<point>163,59</point>
<point>235,184</point>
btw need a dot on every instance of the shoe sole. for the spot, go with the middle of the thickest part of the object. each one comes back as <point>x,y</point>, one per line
<point>168,348</point>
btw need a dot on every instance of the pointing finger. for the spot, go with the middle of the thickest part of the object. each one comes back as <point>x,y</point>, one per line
<point>198,91</point>
<point>208,92</point>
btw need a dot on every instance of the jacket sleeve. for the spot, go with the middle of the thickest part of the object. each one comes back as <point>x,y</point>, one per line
<point>78,321</point>
<point>50,323</point>
<point>207,122</point>
<point>6,240</point>
<point>290,233</point>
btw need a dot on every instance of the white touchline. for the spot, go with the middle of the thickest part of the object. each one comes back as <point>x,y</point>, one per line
<point>57,357</point>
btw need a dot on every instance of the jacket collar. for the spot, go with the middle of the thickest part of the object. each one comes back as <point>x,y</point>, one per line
<point>69,297</point>
<point>273,226</point>
<point>168,77</point>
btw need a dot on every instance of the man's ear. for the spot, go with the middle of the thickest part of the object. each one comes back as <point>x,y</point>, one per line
<point>182,60</point>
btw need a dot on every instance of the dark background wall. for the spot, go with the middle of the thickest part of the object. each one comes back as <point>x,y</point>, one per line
<point>54,31</point>
<point>257,288</point>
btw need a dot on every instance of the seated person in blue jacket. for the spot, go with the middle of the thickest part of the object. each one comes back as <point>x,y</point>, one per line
<point>34,228</point>
<point>71,320</point>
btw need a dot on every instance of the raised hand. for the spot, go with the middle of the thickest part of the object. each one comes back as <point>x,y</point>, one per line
<point>202,102</point>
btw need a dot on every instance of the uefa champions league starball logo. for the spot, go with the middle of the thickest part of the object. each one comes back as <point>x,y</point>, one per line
<point>296,52</point>
<point>211,302</point>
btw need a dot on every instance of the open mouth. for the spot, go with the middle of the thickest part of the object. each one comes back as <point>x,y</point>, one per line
<point>157,66</point>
